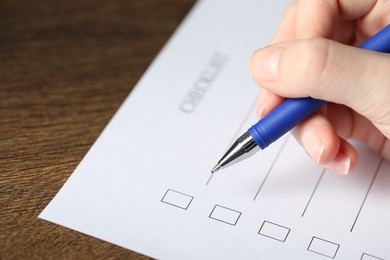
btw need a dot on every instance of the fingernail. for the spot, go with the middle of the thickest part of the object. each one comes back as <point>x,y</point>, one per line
<point>341,164</point>
<point>313,144</point>
<point>264,63</point>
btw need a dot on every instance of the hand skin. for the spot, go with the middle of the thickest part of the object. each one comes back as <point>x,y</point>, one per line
<point>312,55</point>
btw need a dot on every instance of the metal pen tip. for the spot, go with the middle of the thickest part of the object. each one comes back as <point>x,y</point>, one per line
<point>216,168</point>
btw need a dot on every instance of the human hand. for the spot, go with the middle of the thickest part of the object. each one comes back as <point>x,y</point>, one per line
<point>311,56</point>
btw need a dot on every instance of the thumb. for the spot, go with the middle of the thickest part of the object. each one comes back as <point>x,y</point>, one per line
<point>328,70</point>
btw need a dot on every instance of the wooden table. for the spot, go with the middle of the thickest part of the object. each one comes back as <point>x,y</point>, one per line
<point>65,68</point>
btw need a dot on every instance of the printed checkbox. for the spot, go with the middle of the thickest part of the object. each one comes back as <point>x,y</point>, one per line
<point>177,199</point>
<point>366,256</point>
<point>323,247</point>
<point>274,231</point>
<point>225,215</point>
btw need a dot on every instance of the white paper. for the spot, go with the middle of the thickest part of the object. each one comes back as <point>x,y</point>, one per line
<point>146,185</point>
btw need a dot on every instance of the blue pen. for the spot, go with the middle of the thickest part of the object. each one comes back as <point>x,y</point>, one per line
<point>289,114</point>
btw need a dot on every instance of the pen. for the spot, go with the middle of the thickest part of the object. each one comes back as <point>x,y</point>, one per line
<point>286,116</point>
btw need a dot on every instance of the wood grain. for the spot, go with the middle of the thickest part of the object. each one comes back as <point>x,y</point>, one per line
<point>65,68</point>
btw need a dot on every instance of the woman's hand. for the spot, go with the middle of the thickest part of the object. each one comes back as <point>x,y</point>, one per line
<point>311,55</point>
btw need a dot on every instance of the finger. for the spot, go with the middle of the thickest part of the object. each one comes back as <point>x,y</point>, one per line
<point>370,23</point>
<point>321,141</point>
<point>327,70</point>
<point>316,18</point>
<point>345,160</point>
<point>349,124</point>
<point>266,102</point>
<point>319,138</point>
<point>286,30</point>
<point>319,18</point>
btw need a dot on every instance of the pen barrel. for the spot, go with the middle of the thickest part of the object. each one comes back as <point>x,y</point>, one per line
<point>380,42</point>
<point>282,119</point>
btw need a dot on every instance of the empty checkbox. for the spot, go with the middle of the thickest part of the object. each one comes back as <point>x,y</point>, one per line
<point>177,199</point>
<point>225,215</point>
<point>323,247</point>
<point>274,231</point>
<point>366,256</point>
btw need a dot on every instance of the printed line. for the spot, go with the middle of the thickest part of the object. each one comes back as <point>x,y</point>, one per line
<point>315,189</point>
<point>272,166</point>
<point>211,176</point>
<point>368,191</point>
<point>238,131</point>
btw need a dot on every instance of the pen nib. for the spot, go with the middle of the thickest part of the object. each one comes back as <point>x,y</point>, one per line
<point>216,168</point>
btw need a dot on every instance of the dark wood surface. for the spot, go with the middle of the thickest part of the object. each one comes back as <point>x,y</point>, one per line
<point>65,68</point>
